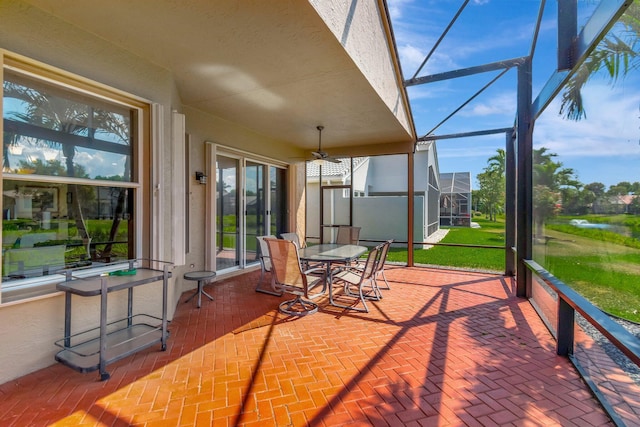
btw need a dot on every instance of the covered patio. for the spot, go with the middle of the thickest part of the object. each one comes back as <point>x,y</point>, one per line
<point>241,87</point>
<point>442,347</point>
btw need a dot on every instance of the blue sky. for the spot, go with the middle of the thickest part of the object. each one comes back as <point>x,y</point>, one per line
<point>605,147</point>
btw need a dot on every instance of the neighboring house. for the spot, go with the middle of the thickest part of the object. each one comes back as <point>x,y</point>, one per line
<point>614,204</point>
<point>380,188</point>
<point>455,199</point>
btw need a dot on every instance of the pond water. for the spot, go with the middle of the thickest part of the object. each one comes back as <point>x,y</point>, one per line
<point>623,230</point>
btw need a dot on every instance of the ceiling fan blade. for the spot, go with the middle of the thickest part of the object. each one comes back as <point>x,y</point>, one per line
<point>332,160</point>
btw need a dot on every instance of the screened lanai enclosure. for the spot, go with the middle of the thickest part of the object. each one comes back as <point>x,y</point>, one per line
<point>568,142</point>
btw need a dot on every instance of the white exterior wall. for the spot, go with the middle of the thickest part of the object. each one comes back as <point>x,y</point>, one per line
<point>360,174</point>
<point>375,214</point>
<point>388,174</point>
<point>381,218</point>
<point>424,159</point>
<point>336,208</point>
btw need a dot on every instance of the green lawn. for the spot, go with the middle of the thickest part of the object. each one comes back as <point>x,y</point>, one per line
<point>600,265</point>
<point>489,234</point>
<point>606,273</point>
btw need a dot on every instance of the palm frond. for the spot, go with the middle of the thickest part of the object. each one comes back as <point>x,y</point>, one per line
<point>615,56</point>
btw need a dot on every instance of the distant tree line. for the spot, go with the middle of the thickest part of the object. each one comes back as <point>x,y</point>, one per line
<point>556,190</point>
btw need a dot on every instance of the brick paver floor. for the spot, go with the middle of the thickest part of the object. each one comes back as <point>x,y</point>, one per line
<point>442,348</point>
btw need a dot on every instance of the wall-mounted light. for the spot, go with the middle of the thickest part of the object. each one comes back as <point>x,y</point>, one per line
<point>201,177</point>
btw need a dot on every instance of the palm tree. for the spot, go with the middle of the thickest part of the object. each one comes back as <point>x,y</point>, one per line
<point>551,174</point>
<point>117,125</point>
<point>617,54</point>
<point>497,163</point>
<point>492,184</point>
<point>549,180</point>
<point>58,114</point>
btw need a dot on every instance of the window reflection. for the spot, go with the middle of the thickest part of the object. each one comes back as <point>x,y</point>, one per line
<point>57,144</point>
<point>56,132</point>
<point>48,227</point>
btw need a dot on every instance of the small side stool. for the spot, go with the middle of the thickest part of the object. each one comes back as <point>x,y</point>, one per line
<point>202,277</point>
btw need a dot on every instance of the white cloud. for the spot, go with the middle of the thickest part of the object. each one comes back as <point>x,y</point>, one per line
<point>504,104</point>
<point>396,8</point>
<point>100,163</point>
<point>611,128</point>
<point>410,57</point>
<point>609,136</point>
<point>423,92</point>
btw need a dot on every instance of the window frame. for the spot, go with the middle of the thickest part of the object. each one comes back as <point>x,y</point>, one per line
<point>141,165</point>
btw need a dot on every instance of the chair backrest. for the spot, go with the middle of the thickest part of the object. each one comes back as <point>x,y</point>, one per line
<point>285,263</point>
<point>348,235</point>
<point>371,264</point>
<point>382,258</point>
<point>293,237</point>
<point>265,258</point>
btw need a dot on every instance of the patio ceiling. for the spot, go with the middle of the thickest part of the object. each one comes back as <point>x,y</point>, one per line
<point>273,67</point>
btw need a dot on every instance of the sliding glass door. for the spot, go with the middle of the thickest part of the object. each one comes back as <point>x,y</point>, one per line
<point>256,211</point>
<point>250,202</point>
<point>278,190</point>
<point>227,221</point>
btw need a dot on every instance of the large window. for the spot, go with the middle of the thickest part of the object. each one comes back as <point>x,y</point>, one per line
<point>69,180</point>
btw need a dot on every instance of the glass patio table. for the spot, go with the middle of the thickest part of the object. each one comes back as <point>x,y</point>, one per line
<point>329,253</point>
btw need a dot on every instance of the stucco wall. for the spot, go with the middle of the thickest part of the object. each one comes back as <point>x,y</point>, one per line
<point>359,27</point>
<point>388,174</point>
<point>206,129</point>
<point>360,174</point>
<point>30,328</point>
<point>28,343</point>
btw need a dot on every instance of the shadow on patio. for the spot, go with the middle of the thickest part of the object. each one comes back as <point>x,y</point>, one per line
<point>441,348</point>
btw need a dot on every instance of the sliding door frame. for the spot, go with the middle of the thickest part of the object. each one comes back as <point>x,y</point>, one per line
<point>212,153</point>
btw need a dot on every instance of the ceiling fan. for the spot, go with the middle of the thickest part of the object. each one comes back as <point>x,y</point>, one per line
<point>321,155</point>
